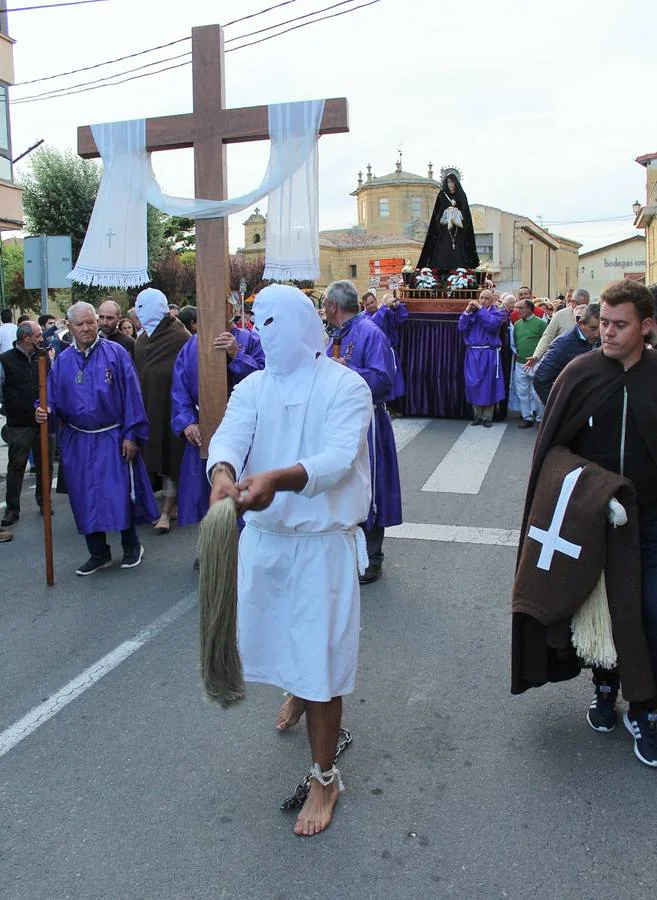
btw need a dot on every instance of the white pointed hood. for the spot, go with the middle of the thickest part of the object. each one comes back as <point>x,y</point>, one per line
<point>151,306</point>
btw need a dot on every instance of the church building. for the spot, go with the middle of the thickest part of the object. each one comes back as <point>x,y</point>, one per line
<point>392,217</point>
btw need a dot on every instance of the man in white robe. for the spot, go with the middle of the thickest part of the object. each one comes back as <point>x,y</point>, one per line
<point>294,437</point>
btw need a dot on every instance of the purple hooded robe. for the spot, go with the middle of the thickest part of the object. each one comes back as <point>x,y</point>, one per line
<point>367,351</point>
<point>483,371</point>
<point>193,487</point>
<point>97,399</point>
<point>390,319</point>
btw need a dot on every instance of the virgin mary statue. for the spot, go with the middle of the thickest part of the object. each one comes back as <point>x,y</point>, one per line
<point>450,240</point>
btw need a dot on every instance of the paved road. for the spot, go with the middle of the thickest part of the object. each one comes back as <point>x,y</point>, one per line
<point>138,788</point>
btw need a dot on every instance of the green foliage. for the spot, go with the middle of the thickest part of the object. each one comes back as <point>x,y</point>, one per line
<point>177,279</point>
<point>251,269</point>
<point>180,233</point>
<point>59,193</point>
<point>156,236</point>
<point>12,273</point>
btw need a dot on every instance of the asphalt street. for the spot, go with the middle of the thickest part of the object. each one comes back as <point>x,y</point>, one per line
<point>139,788</point>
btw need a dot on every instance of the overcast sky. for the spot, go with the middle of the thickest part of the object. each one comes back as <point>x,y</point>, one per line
<point>543,107</point>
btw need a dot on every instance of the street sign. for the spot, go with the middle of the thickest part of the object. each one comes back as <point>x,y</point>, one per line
<point>55,251</point>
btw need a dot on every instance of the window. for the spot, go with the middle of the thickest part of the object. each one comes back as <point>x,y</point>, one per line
<point>384,207</point>
<point>353,271</point>
<point>5,140</point>
<point>256,238</point>
<point>363,211</point>
<point>416,207</point>
<point>484,245</point>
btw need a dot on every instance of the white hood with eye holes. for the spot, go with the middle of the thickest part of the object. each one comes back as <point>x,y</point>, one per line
<point>292,337</point>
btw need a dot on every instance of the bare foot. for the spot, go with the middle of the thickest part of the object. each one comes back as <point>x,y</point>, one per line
<point>163,524</point>
<point>292,708</point>
<point>317,811</point>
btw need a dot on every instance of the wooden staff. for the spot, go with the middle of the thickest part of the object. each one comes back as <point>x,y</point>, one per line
<point>45,469</point>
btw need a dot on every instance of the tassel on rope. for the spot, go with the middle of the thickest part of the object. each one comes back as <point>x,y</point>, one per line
<point>221,666</point>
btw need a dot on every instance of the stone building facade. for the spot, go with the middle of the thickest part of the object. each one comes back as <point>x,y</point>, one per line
<point>622,259</point>
<point>647,215</point>
<point>392,216</point>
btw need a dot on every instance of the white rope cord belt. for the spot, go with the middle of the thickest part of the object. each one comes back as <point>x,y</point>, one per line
<point>488,347</point>
<point>328,777</point>
<point>94,430</point>
<point>356,531</point>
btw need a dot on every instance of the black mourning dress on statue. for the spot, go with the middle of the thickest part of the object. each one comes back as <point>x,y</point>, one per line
<point>450,249</point>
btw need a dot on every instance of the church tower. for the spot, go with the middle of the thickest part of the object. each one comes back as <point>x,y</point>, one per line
<point>255,229</point>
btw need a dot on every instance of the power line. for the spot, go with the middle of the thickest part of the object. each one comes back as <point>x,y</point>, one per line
<point>100,64</point>
<point>53,5</point>
<point>66,92</point>
<point>107,78</point>
<point>53,94</point>
<point>260,13</point>
<point>287,22</point>
<point>589,221</point>
<point>304,25</point>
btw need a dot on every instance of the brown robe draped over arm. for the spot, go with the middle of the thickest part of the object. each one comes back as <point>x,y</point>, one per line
<point>155,357</point>
<point>584,385</point>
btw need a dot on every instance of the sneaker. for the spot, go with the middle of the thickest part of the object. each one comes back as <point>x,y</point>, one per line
<point>602,713</point>
<point>526,423</point>
<point>93,564</point>
<point>132,558</point>
<point>6,536</point>
<point>642,725</point>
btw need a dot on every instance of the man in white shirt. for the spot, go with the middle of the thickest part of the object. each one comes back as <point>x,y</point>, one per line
<point>560,323</point>
<point>7,330</point>
<point>294,437</point>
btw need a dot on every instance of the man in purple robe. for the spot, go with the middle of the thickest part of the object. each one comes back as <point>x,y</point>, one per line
<point>358,343</point>
<point>481,326</point>
<point>244,355</point>
<point>390,317</point>
<point>93,391</point>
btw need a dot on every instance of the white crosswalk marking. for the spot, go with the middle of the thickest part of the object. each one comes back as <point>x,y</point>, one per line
<point>406,429</point>
<point>458,534</point>
<point>464,467</point>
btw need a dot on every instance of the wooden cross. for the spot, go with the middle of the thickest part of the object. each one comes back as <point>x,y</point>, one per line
<point>208,129</point>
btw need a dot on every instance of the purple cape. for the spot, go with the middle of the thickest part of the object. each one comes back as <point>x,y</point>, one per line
<point>193,487</point>
<point>483,371</point>
<point>367,351</point>
<point>105,394</point>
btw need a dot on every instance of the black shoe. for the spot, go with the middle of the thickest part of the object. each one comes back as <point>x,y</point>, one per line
<point>93,564</point>
<point>602,713</point>
<point>197,564</point>
<point>371,574</point>
<point>132,557</point>
<point>476,422</point>
<point>487,423</point>
<point>642,725</point>
<point>526,423</point>
<point>10,518</point>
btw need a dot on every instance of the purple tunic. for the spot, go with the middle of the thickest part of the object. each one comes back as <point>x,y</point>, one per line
<point>367,351</point>
<point>106,395</point>
<point>483,371</point>
<point>390,319</point>
<point>193,487</point>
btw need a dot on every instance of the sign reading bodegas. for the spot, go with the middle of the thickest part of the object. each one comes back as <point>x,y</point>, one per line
<point>625,263</point>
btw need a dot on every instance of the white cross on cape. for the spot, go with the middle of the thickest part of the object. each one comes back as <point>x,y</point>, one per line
<point>550,539</point>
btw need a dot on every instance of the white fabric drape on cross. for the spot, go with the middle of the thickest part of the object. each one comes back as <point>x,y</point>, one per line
<point>114,253</point>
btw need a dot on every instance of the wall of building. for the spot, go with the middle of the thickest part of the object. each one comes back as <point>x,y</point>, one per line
<point>403,203</point>
<point>599,267</point>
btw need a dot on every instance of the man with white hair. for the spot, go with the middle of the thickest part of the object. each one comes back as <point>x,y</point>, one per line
<point>294,437</point>
<point>93,392</point>
<point>560,323</point>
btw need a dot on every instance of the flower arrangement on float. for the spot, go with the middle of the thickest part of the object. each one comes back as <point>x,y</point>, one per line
<point>426,279</point>
<point>461,279</point>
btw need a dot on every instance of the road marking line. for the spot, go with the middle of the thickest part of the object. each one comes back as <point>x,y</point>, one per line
<point>50,707</point>
<point>460,534</point>
<point>463,469</point>
<point>406,429</point>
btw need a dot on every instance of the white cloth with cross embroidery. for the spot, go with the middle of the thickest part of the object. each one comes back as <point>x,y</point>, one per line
<point>114,252</point>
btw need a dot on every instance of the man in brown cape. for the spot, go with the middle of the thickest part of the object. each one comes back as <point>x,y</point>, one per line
<point>156,350</point>
<point>603,408</point>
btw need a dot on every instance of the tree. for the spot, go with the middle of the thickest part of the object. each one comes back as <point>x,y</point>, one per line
<point>251,269</point>
<point>175,275</point>
<point>12,273</point>
<point>180,233</point>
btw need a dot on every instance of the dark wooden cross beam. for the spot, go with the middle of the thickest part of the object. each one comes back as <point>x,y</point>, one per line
<point>208,129</point>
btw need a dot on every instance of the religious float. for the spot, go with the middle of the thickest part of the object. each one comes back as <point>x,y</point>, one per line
<point>447,277</point>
